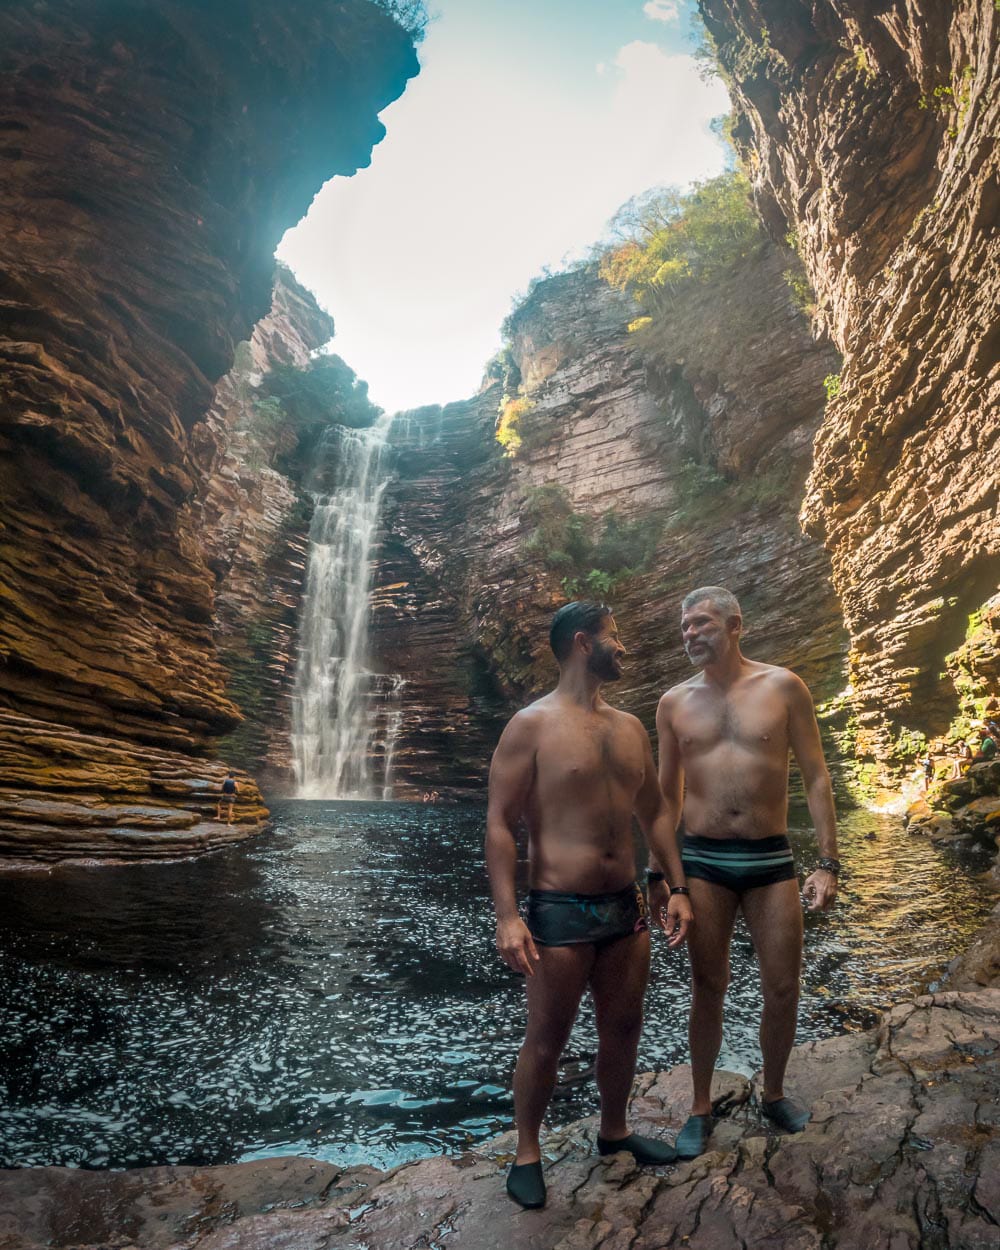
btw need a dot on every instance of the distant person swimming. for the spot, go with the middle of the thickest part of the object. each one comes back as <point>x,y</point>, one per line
<point>575,770</point>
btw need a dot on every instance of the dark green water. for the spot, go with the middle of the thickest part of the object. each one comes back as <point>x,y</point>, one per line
<point>332,989</point>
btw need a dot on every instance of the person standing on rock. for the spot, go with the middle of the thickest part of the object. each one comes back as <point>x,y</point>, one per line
<point>575,770</point>
<point>227,799</point>
<point>724,739</point>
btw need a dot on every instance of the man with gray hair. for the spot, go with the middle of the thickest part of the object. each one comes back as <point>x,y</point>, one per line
<point>724,739</point>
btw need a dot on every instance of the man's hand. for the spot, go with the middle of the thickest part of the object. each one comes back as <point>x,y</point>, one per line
<point>820,890</point>
<point>680,918</point>
<point>659,899</point>
<point>516,945</point>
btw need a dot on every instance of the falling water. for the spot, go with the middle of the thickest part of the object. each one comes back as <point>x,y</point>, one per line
<point>342,712</point>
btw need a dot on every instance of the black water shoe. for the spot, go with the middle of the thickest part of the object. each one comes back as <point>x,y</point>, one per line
<point>526,1185</point>
<point>692,1140</point>
<point>787,1114</point>
<point>645,1150</point>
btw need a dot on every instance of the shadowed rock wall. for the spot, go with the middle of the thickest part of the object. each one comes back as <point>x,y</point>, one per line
<point>154,154</point>
<point>871,132</point>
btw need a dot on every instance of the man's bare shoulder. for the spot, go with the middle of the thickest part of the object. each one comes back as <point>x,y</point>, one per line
<point>782,679</point>
<point>678,692</point>
<point>624,720</point>
<point>531,718</point>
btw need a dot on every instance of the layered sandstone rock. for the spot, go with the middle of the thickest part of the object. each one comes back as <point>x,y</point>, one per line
<point>903,1151</point>
<point>154,155</point>
<point>253,524</point>
<point>870,133</point>
<point>701,431</point>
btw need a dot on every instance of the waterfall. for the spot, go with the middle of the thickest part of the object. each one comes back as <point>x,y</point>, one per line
<point>342,713</point>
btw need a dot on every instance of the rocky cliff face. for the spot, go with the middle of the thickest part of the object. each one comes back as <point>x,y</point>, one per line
<point>696,437</point>
<point>253,524</point>
<point>870,132</point>
<point>154,155</point>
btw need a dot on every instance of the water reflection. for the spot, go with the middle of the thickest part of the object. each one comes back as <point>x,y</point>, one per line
<point>332,989</point>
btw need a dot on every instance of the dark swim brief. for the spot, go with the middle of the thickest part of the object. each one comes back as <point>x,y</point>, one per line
<point>738,863</point>
<point>557,919</point>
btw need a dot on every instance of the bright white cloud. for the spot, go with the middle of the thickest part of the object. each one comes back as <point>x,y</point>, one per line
<point>480,183</point>
<point>662,10</point>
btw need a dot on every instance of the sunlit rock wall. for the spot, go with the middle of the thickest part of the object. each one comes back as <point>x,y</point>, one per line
<point>153,154</point>
<point>871,133</point>
<point>734,388</point>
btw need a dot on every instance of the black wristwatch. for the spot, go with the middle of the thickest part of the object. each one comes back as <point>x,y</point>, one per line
<point>830,865</point>
<point>652,876</point>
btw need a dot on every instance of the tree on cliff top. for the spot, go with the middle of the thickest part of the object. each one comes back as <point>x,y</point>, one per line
<point>326,392</point>
<point>410,14</point>
<point>665,240</point>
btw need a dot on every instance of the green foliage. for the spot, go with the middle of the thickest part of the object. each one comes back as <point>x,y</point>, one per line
<point>594,556</point>
<point>857,60</point>
<point>802,293</point>
<point>831,384</point>
<point>910,744</point>
<point>700,491</point>
<point>669,240</point>
<point>410,14</point>
<point>326,392</point>
<point>695,484</point>
<point>951,99</point>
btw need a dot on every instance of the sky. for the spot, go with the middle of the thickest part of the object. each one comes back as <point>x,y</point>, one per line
<point>530,123</point>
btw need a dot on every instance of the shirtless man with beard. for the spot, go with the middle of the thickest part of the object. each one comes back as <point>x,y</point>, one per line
<point>576,770</point>
<point>724,738</point>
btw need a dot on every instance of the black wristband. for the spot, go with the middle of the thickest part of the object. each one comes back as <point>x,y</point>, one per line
<point>830,865</point>
<point>679,889</point>
<point>652,876</point>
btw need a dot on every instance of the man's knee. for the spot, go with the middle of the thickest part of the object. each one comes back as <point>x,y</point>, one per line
<point>619,1027</point>
<point>542,1049</point>
<point>710,982</point>
<point>782,991</point>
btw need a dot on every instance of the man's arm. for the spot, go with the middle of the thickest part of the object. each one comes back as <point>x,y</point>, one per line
<point>659,824</point>
<point>671,775</point>
<point>511,775</point>
<point>803,734</point>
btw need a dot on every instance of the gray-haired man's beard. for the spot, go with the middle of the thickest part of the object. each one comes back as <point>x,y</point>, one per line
<point>699,654</point>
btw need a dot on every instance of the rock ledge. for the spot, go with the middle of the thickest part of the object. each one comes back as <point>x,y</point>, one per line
<point>903,1151</point>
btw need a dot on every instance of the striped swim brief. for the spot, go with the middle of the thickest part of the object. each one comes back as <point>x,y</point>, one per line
<point>738,863</point>
<point>557,919</point>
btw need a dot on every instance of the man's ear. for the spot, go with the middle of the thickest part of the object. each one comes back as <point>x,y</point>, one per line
<point>585,639</point>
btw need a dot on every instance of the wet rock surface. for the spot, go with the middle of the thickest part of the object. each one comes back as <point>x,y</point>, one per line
<point>903,1151</point>
<point>967,807</point>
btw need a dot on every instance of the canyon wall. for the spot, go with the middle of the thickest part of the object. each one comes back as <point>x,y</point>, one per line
<point>870,132</point>
<point>696,436</point>
<point>154,155</point>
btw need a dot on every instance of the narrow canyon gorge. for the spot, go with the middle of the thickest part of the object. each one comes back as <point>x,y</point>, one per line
<point>831,459</point>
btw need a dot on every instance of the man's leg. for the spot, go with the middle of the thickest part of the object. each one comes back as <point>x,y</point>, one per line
<point>708,947</point>
<point>554,993</point>
<point>774,917</point>
<point>618,981</point>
